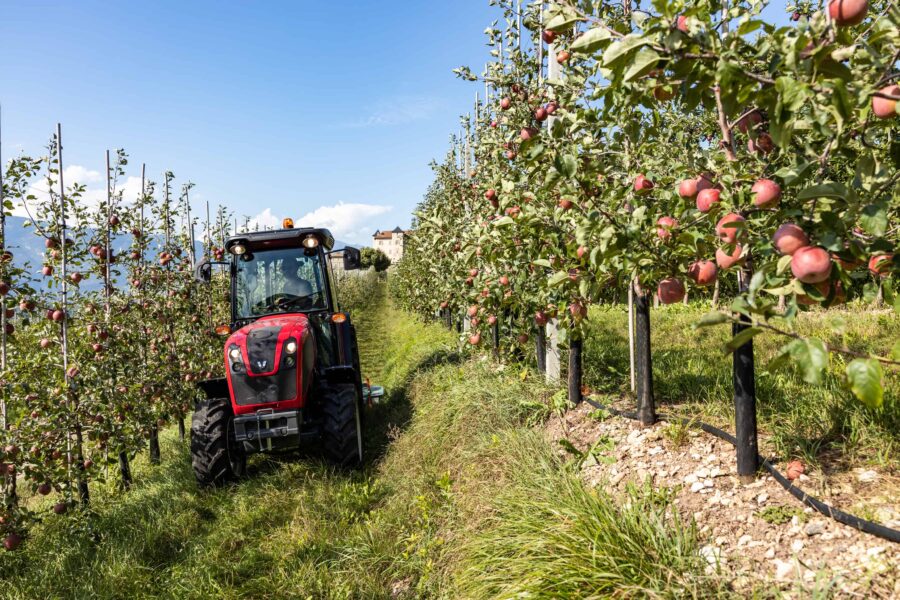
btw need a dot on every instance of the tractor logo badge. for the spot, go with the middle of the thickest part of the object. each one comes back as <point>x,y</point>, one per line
<point>261,364</point>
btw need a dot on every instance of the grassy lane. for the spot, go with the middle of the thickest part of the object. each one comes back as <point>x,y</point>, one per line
<point>462,498</point>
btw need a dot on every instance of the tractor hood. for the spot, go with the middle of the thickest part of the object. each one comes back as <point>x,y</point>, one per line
<point>269,363</point>
<point>263,343</point>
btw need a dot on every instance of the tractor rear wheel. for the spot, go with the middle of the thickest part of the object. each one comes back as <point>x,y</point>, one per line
<point>215,455</point>
<point>342,426</point>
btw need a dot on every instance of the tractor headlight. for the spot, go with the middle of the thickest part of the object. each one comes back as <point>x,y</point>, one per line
<point>310,242</point>
<point>290,347</point>
<point>235,354</point>
<point>238,249</point>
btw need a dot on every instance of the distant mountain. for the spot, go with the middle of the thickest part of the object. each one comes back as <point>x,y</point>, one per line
<point>28,248</point>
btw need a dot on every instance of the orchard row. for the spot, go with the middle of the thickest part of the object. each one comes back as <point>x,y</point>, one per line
<point>681,147</point>
<point>102,343</point>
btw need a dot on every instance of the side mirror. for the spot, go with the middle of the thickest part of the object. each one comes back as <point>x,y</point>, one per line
<point>203,270</point>
<point>351,259</point>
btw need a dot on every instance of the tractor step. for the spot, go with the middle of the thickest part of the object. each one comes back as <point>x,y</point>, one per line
<point>371,393</point>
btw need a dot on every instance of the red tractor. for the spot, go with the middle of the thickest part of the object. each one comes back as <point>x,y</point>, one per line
<point>291,359</point>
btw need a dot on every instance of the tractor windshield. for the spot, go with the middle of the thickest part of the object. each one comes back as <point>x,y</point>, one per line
<point>276,281</point>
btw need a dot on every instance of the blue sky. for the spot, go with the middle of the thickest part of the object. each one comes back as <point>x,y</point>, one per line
<point>321,110</point>
<point>294,107</point>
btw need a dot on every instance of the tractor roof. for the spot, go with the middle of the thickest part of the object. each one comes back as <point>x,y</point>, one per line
<point>260,238</point>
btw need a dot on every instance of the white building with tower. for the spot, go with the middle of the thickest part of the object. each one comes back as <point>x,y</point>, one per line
<point>390,242</point>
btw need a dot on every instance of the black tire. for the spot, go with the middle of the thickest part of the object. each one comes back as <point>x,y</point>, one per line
<point>342,425</point>
<point>215,456</point>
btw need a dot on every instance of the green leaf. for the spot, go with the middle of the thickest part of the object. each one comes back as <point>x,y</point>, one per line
<point>812,358</point>
<point>566,164</point>
<point>563,21</point>
<point>557,278</point>
<point>710,319</point>
<point>742,338</point>
<point>864,378</point>
<point>503,221</point>
<point>591,40</point>
<point>644,62</point>
<point>618,50</point>
<point>784,263</point>
<point>874,219</point>
<point>826,190</point>
<point>541,262</point>
<point>895,351</point>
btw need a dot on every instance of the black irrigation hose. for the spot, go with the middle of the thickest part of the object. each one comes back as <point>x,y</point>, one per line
<point>829,511</point>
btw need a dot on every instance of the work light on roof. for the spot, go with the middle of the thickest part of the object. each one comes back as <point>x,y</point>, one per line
<point>310,242</point>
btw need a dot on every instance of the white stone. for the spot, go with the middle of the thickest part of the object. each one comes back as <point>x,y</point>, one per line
<point>696,486</point>
<point>702,473</point>
<point>770,553</point>
<point>797,546</point>
<point>692,478</point>
<point>814,528</point>
<point>744,539</point>
<point>761,499</point>
<point>867,476</point>
<point>783,569</point>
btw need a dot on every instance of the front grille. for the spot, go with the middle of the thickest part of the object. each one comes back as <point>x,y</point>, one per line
<point>261,390</point>
<point>261,345</point>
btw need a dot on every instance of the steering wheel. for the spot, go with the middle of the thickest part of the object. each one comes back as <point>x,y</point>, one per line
<point>282,301</point>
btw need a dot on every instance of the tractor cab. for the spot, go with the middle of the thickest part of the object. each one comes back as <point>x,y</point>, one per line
<point>291,357</point>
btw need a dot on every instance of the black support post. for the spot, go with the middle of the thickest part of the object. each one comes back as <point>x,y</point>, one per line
<point>743,377</point>
<point>540,348</point>
<point>125,470</point>
<point>575,377</point>
<point>154,445</point>
<point>646,408</point>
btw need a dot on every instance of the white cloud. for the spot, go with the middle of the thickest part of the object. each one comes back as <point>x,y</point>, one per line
<point>348,222</point>
<point>399,110</point>
<point>95,188</point>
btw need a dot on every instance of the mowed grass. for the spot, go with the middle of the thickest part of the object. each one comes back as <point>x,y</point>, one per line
<point>822,424</point>
<point>462,497</point>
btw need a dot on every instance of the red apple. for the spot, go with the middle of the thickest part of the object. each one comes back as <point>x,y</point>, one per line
<point>563,57</point>
<point>552,107</point>
<point>811,264</point>
<point>548,36</point>
<point>475,339</point>
<point>768,193</point>
<point>76,277</point>
<point>47,270</point>
<point>848,12</point>
<point>510,155</point>
<point>491,194</point>
<point>540,318</point>
<point>789,238</point>
<point>749,121</point>
<point>45,343</point>
<point>706,199</point>
<point>540,114</point>
<point>642,185</point>
<point>523,338</point>
<point>880,264</point>
<point>666,224</point>
<point>681,24</point>
<point>504,280</point>
<point>763,144</point>
<point>505,103</point>
<point>60,508</point>
<point>670,290</point>
<point>44,489</point>
<point>565,203</point>
<point>885,108</point>
<point>726,261</point>
<point>528,133</point>
<point>12,541</point>
<point>688,188</point>
<point>794,469</point>
<point>581,252</point>
<point>703,272</point>
<point>578,310</point>
<point>729,235</point>
<point>58,315</point>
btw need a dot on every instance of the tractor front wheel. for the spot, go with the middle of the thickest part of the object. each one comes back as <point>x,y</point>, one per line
<point>215,456</point>
<point>342,428</point>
